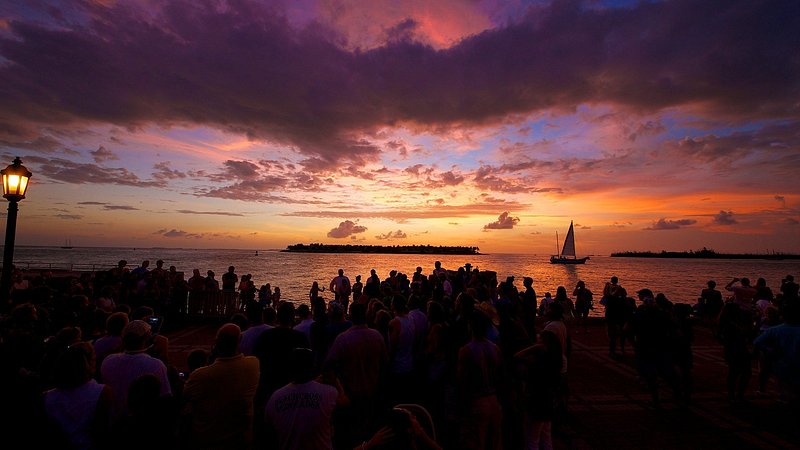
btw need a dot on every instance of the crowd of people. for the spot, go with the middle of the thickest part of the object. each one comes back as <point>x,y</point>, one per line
<point>445,359</point>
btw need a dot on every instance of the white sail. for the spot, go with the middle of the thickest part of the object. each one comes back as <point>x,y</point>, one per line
<point>569,243</point>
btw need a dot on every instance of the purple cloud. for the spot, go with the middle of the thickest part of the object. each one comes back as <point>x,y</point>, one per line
<point>503,222</point>
<point>724,218</point>
<point>66,171</point>
<point>345,229</point>
<point>144,63</point>
<point>664,224</point>
<point>102,155</point>
<point>174,233</point>
<point>399,234</point>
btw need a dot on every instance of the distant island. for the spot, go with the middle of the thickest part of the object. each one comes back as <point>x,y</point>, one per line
<point>390,249</point>
<point>705,253</point>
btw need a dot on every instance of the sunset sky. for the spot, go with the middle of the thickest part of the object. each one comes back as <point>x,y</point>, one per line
<point>652,125</point>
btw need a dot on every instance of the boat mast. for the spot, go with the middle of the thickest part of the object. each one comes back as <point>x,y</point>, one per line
<point>558,252</point>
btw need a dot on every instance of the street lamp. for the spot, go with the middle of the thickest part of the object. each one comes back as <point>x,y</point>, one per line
<point>15,184</point>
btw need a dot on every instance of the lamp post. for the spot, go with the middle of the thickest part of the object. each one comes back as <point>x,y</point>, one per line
<point>15,184</point>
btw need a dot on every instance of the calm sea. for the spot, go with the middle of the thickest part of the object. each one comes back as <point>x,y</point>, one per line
<point>681,280</point>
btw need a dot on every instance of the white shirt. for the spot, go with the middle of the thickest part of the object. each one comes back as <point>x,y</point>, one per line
<point>119,370</point>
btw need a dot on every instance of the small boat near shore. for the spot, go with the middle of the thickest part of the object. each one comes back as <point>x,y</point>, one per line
<point>67,244</point>
<point>567,254</point>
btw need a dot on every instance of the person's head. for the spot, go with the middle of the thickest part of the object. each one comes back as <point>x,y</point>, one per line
<point>789,278</point>
<point>645,295</point>
<point>580,285</point>
<point>122,263</point>
<point>160,263</point>
<point>614,280</point>
<point>302,365</point>
<point>240,320</point>
<point>555,311</point>
<point>527,281</point>
<point>136,335</point>
<point>210,274</point>
<point>116,323</point>
<point>761,282</point>
<point>358,314</point>
<point>142,313</point>
<point>711,284</point>
<point>143,395</point>
<point>303,312</point>
<point>437,264</point>
<point>286,314</point>
<point>74,366</point>
<point>255,313</point>
<point>145,264</point>
<point>358,277</point>
<point>341,272</point>
<point>227,341</point>
<point>399,304</point>
<point>745,281</point>
<point>270,315</point>
<point>791,313</point>
<point>479,324</point>
<point>197,358</point>
<point>231,269</point>
<point>196,272</point>
<point>551,342</point>
<point>436,312</point>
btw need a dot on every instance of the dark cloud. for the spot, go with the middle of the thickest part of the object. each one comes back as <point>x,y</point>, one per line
<point>164,172</point>
<point>69,216</point>
<point>664,224</point>
<point>102,155</point>
<point>451,178</point>
<point>345,229</point>
<point>120,208</point>
<point>399,234</point>
<point>503,222</point>
<point>724,218</point>
<point>66,171</point>
<point>93,203</point>
<point>174,233</point>
<point>209,213</point>
<point>245,69</point>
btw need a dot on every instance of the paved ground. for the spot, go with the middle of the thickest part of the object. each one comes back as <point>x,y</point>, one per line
<point>609,408</point>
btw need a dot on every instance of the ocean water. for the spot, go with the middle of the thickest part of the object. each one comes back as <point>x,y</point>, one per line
<point>681,280</point>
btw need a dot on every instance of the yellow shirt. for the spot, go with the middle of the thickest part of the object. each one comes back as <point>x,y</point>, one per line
<point>220,398</point>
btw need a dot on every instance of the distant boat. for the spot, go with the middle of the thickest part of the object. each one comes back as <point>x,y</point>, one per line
<point>567,254</point>
<point>67,244</point>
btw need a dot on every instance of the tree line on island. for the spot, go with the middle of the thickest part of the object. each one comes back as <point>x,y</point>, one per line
<point>410,249</point>
<point>705,253</point>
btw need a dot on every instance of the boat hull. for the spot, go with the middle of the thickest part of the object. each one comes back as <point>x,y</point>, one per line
<point>561,260</point>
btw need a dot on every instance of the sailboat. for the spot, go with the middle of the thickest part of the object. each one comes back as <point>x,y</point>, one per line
<point>67,244</point>
<point>567,254</point>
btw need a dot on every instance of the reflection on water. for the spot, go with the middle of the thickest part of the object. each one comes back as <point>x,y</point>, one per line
<point>680,279</point>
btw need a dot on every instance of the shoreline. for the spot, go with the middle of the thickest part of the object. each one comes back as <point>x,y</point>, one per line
<point>383,249</point>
